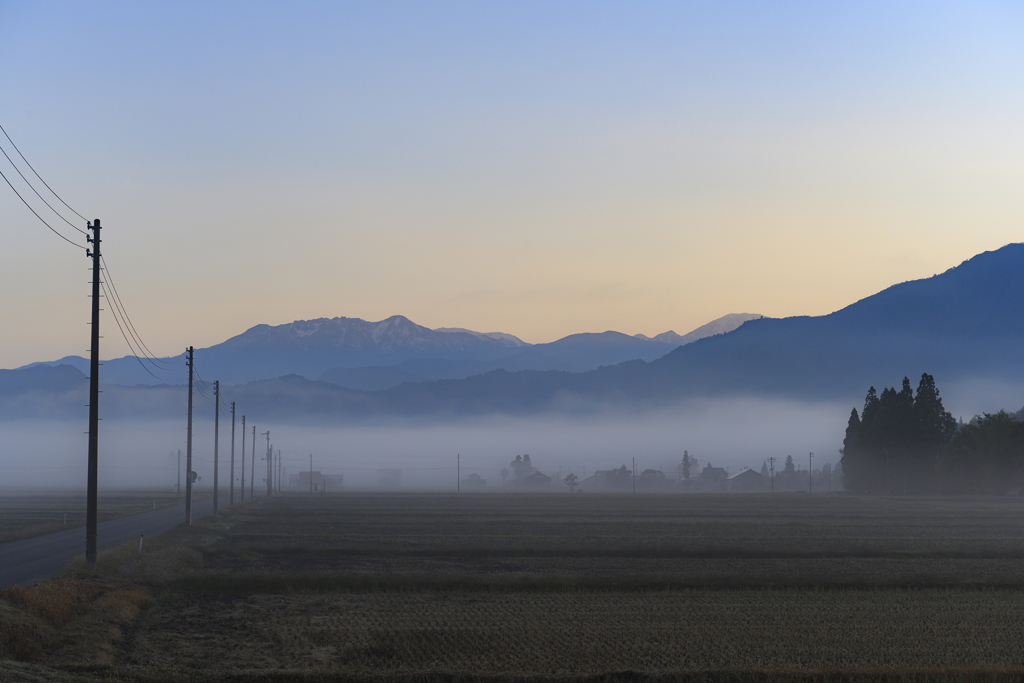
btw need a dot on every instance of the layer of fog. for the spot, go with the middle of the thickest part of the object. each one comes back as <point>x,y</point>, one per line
<point>732,433</point>
<point>727,433</point>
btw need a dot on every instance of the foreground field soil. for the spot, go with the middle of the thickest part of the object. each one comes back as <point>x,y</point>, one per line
<point>500,587</point>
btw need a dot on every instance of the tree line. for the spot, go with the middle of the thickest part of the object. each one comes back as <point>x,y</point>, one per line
<point>906,443</point>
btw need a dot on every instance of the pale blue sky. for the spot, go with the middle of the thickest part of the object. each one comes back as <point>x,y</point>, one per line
<point>539,169</point>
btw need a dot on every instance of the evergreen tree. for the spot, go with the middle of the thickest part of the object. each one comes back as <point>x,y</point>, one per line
<point>853,459</point>
<point>985,457</point>
<point>790,468</point>
<point>892,446</point>
<point>686,465</point>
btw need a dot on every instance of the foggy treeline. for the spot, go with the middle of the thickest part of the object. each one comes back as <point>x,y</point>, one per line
<point>908,444</point>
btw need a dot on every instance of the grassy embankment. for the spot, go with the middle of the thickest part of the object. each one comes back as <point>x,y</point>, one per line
<point>420,587</point>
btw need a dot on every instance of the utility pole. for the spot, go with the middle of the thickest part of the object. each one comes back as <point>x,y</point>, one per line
<point>279,471</point>
<point>771,470</point>
<point>178,490</point>
<point>188,444</point>
<point>270,471</point>
<point>252,467</point>
<point>231,488</point>
<point>311,474</point>
<point>216,438</point>
<point>241,492</point>
<point>94,399</point>
<point>810,473</point>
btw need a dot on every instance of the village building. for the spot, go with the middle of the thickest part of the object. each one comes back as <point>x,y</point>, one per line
<point>713,478</point>
<point>744,480</point>
<point>474,481</point>
<point>536,480</point>
<point>320,481</point>
<point>608,480</point>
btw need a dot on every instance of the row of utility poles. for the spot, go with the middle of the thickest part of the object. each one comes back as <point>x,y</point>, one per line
<point>810,473</point>
<point>191,475</point>
<point>92,469</point>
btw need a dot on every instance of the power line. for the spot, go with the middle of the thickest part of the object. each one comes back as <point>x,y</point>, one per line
<point>130,347</point>
<point>41,178</point>
<point>124,316</point>
<point>37,215</point>
<point>200,384</point>
<point>128,320</point>
<point>32,187</point>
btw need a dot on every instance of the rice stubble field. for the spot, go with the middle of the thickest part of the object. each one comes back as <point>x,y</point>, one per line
<point>515,587</point>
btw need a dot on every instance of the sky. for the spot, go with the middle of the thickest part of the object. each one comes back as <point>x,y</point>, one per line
<point>538,168</point>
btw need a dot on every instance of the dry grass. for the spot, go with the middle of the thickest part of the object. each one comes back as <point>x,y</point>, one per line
<point>56,600</point>
<point>30,616</point>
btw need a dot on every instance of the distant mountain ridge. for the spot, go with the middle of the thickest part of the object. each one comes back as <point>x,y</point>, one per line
<point>508,339</point>
<point>368,355</point>
<point>727,323</point>
<point>966,324</point>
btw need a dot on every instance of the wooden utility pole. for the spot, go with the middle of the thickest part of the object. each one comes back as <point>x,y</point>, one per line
<point>270,467</point>
<point>252,467</point>
<point>771,471</point>
<point>188,443</point>
<point>94,400</point>
<point>216,438</point>
<point>241,491</point>
<point>311,474</point>
<point>279,471</point>
<point>810,473</point>
<point>231,488</point>
<point>178,490</point>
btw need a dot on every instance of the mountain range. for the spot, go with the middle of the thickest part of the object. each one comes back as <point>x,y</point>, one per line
<point>369,356</point>
<point>964,324</point>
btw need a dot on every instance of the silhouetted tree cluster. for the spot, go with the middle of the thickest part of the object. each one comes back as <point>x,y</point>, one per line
<point>522,467</point>
<point>893,446</point>
<point>986,457</point>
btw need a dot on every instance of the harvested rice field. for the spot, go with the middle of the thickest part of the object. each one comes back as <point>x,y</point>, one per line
<point>395,587</point>
<point>589,633</point>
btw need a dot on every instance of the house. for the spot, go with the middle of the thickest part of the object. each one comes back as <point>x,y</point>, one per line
<point>536,480</point>
<point>474,481</point>
<point>654,480</point>
<point>744,480</point>
<point>608,480</point>
<point>320,481</point>
<point>713,477</point>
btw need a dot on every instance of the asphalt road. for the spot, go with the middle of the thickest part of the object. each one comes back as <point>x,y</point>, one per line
<point>34,559</point>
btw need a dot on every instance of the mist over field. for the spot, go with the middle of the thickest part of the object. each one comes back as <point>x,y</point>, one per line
<point>728,433</point>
